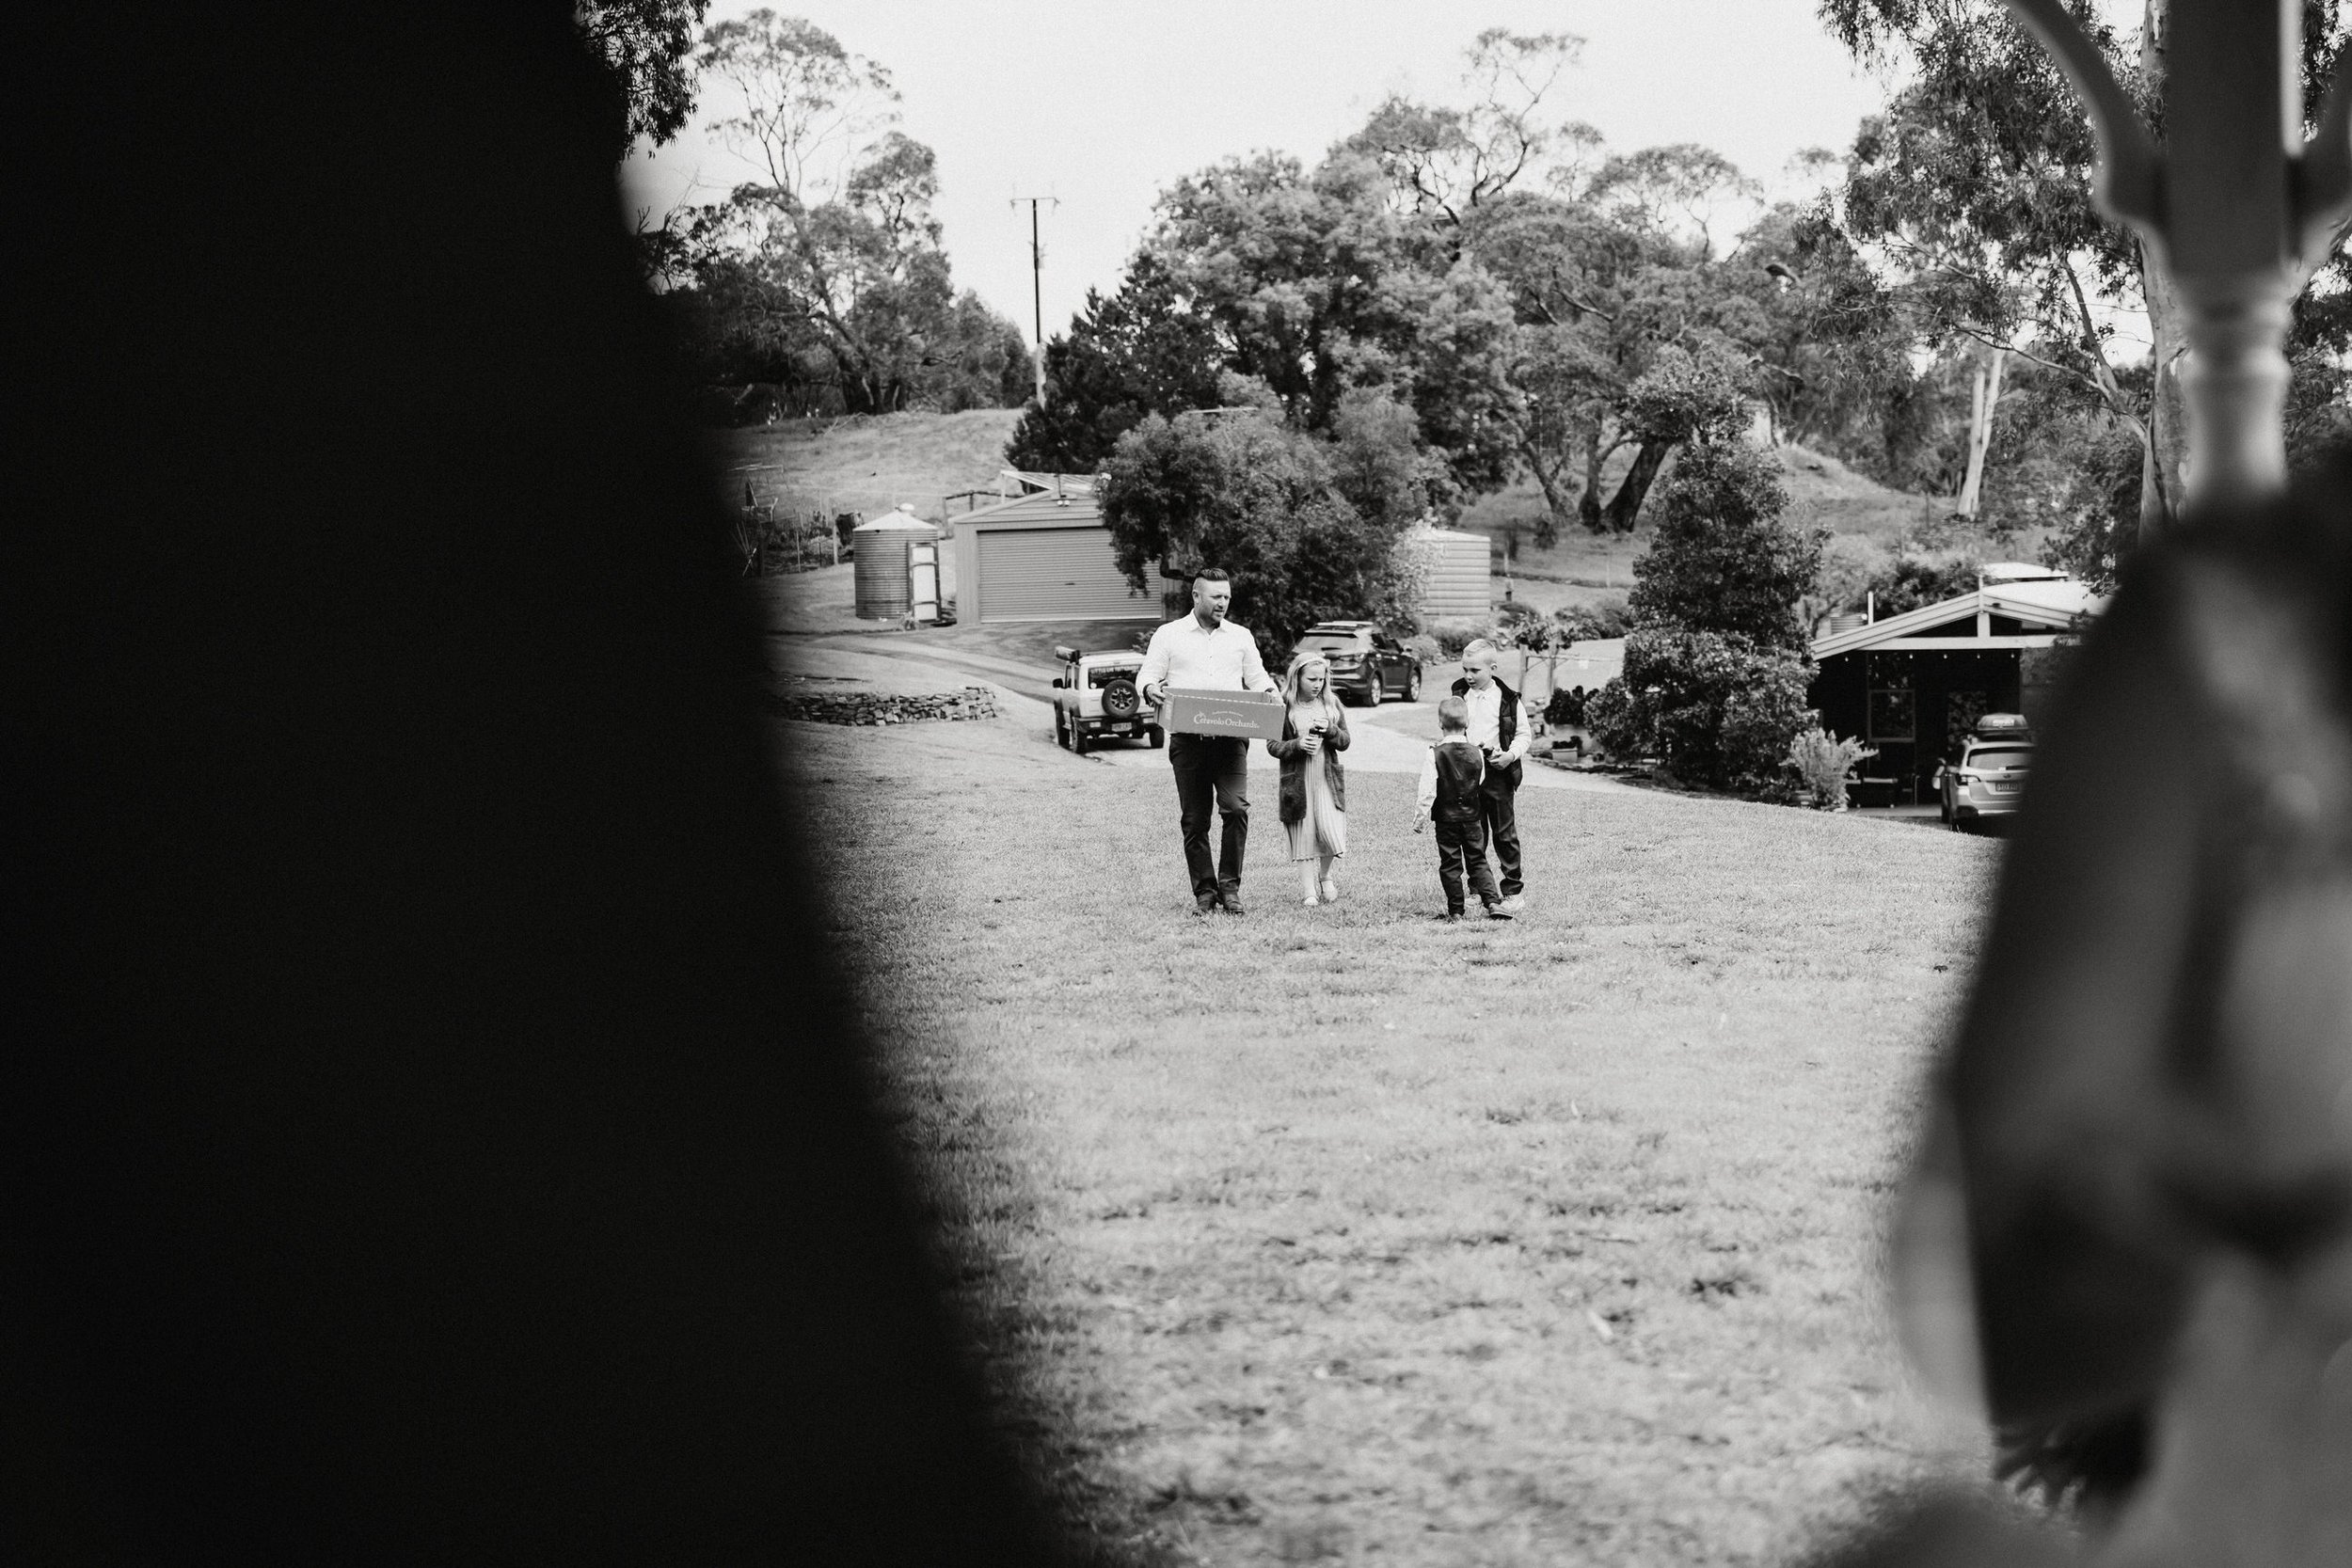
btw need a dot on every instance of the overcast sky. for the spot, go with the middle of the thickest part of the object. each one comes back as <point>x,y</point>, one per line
<point>1103,103</point>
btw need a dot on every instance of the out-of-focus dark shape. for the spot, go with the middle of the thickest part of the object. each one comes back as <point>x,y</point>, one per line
<point>429,1127</point>
<point>2131,1229</point>
<point>1946,1529</point>
<point>2153,1084</point>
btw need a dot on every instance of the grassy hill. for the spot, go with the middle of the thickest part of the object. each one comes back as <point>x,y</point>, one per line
<point>1869,524</point>
<point>868,464</point>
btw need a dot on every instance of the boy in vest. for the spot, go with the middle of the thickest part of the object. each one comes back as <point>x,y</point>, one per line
<point>1498,730</point>
<point>1450,777</point>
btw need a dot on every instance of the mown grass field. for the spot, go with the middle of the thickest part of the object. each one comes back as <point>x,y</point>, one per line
<point>1340,1234</point>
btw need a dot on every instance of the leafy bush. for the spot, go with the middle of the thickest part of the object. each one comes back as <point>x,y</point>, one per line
<point>1588,623</point>
<point>1519,626</point>
<point>1717,710</point>
<point>1265,502</point>
<point>1424,647</point>
<point>1911,583</point>
<point>1452,637</point>
<point>1568,707</point>
<point>1824,763</point>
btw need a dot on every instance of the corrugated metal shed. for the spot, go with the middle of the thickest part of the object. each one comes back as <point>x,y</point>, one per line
<point>1045,557</point>
<point>1460,584</point>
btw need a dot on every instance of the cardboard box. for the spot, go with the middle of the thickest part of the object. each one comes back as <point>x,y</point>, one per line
<point>1248,714</point>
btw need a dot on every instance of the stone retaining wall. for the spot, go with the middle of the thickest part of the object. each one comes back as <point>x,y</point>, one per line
<point>885,707</point>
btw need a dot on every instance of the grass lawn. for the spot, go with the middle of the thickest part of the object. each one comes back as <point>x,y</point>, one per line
<point>1341,1234</point>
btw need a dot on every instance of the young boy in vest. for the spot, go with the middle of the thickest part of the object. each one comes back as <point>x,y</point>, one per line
<point>1450,777</point>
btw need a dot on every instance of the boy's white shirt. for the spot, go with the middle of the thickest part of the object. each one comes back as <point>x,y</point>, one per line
<point>1486,722</point>
<point>1429,796</point>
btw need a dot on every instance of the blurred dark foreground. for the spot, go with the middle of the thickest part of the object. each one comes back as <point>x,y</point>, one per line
<point>427,1130</point>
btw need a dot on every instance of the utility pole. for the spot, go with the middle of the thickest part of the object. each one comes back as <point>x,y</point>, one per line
<point>1037,285</point>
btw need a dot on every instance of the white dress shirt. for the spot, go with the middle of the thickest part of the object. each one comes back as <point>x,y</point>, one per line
<point>1185,656</point>
<point>1486,722</point>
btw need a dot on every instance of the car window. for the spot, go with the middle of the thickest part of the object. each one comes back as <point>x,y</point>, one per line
<point>2000,756</point>
<point>1332,642</point>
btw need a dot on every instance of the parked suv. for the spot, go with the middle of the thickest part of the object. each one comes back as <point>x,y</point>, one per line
<point>1367,664</point>
<point>1095,696</point>
<point>1988,778</point>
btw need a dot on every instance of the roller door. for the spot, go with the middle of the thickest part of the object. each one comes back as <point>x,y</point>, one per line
<point>1055,573</point>
<point>1459,585</point>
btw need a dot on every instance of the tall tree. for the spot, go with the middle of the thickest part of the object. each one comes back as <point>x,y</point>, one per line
<point>645,46</point>
<point>1268,503</point>
<point>832,266</point>
<point>1447,162</point>
<point>1979,178</point>
<point>1627,341</point>
<point>1724,561</point>
<point>1127,354</point>
<point>1312,285</point>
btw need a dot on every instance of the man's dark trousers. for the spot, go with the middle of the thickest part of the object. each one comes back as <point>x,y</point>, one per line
<point>1497,808</point>
<point>1211,769</point>
<point>1459,843</point>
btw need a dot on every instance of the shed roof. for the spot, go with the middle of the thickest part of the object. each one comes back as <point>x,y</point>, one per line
<point>1039,509</point>
<point>2049,605</point>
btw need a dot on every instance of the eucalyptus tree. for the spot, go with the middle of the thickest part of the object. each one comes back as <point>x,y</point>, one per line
<point>829,269</point>
<point>646,49</point>
<point>1977,183</point>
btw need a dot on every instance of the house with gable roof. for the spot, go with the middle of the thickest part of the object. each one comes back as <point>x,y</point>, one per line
<point>1911,686</point>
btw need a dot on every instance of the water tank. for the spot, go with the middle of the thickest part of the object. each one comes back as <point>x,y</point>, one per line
<point>884,585</point>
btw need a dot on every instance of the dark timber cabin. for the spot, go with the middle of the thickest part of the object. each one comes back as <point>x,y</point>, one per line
<point>1912,685</point>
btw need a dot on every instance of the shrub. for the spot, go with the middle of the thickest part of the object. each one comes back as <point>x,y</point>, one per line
<point>1424,647</point>
<point>1719,711</point>
<point>1452,637</point>
<point>1823,764</point>
<point>1911,582</point>
<point>1587,623</point>
<point>1722,561</point>
<point>1522,627</point>
<point>1568,707</point>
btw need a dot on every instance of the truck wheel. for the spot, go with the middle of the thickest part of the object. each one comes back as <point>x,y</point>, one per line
<point>1372,698</point>
<point>1412,685</point>
<point>1077,740</point>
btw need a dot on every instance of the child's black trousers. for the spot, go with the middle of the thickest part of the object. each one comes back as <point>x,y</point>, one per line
<point>1463,845</point>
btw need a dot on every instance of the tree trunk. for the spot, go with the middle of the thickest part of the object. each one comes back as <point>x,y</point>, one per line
<point>2163,477</point>
<point>1626,505</point>
<point>1588,504</point>
<point>1984,394</point>
<point>2163,471</point>
<point>1547,480</point>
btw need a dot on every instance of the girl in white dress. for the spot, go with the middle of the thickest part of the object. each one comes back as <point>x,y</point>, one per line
<point>1314,786</point>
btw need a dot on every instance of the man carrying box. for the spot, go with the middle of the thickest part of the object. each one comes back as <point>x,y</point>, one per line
<point>1205,652</point>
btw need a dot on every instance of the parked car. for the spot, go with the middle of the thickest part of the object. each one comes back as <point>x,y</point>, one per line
<point>1367,664</point>
<point>1095,697</point>
<point>1988,778</point>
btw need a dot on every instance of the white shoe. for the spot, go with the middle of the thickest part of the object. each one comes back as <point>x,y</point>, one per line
<point>1514,905</point>
<point>1331,890</point>
<point>1311,901</point>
